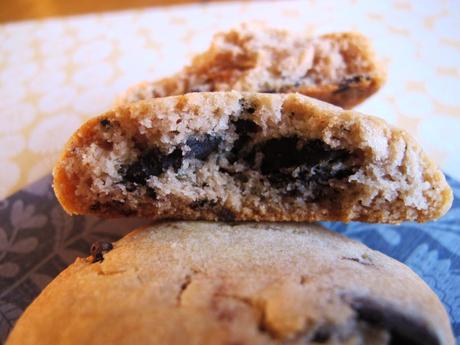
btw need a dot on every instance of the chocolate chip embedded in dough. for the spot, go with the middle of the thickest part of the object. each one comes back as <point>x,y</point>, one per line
<point>203,203</point>
<point>322,334</point>
<point>403,328</point>
<point>148,164</point>
<point>244,126</point>
<point>201,148</point>
<point>105,123</point>
<point>350,82</point>
<point>151,193</point>
<point>247,107</point>
<point>98,248</point>
<point>225,215</point>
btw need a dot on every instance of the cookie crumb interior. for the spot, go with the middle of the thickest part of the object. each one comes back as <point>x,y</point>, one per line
<point>222,171</point>
<point>242,156</point>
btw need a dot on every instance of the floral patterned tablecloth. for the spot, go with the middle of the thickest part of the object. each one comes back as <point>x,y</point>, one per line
<point>56,73</point>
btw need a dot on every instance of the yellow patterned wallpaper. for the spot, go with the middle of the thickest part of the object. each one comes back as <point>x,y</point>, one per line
<point>56,73</point>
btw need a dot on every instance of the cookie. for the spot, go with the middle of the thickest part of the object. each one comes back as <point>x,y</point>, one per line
<point>247,156</point>
<point>339,68</point>
<point>248,284</point>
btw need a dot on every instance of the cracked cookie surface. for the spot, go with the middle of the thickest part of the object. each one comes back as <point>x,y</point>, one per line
<point>339,68</point>
<point>247,156</point>
<point>247,284</point>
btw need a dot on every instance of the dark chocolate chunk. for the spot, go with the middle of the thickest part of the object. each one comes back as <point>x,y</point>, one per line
<point>147,165</point>
<point>349,82</point>
<point>317,163</point>
<point>98,249</point>
<point>403,328</point>
<point>322,334</point>
<point>247,107</point>
<point>285,153</point>
<point>151,193</point>
<point>201,148</point>
<point>225,215</point>
<point>105,123</point>
<point>243,126</point>
<point>130,186</point>
<point>203,203</point>
<point>279,154</point>
<point>151,163</point>
<point>174,159</point>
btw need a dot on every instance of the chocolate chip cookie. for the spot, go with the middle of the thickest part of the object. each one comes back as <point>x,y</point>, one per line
<point>339,68</point>
<point>255,283</point>
<point>247,156</point>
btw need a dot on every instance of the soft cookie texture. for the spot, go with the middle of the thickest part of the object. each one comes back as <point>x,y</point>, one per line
<point>247,156</point>
<point>256,283</point>
<point>339,68</point>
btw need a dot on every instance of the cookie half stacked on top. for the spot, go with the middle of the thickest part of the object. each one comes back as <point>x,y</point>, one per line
<point>249,156</point>
<point>244,157</point>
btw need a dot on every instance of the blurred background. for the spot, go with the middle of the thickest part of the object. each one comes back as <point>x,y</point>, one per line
<point>13,10</point>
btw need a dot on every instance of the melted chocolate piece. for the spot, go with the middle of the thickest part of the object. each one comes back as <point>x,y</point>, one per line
<point>148,164</point>
<point>98,249</point>
<point>281,156</point>
<point>244,128</point>
<point>201,148</point>
<point>247,107</point>
<point>151,193</point>
<point>105,123</point>
<point>151,163</point>
<point>404,329</point>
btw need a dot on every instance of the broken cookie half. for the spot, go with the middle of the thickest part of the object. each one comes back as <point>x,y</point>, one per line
<point>247,156</point>
<point>339,68</point>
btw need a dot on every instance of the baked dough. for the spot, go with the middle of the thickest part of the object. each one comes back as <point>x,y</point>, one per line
<point>247,156</point>
<point>339,68</point>
<point>255,283</point>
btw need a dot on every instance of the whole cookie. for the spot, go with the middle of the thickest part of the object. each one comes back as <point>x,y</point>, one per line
<point>339,68</point>
<point>247,157</point>
<point>213,283</point>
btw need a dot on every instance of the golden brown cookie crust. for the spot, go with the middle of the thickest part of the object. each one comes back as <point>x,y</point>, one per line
<point>339,68</point>
<point>214,283</point>
<point>300,160</point>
